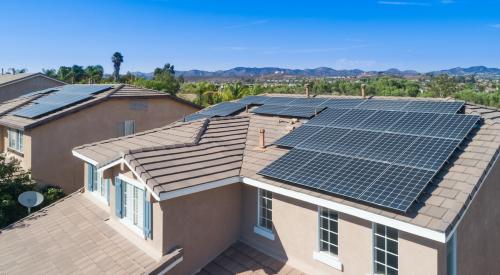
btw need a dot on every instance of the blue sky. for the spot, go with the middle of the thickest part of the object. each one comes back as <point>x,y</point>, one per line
<point>211,35</point>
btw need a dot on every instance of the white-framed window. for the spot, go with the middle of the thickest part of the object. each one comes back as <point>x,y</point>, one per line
<point>128,127</point>
<point>265,210</point>
<point>133,204</point>
<point>328,231</point>
<point>100,185</point>
<point>385,250</point>
<point>16,139</point>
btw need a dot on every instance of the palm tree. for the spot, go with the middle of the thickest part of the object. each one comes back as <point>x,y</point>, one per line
<point>117,60</point>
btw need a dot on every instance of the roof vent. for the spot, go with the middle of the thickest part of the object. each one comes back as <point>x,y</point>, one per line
<point>262,138</point>
<point>363,90</point>
<point>307,89</point>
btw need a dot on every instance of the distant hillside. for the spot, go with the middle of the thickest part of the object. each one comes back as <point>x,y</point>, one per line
<point>276,72</point>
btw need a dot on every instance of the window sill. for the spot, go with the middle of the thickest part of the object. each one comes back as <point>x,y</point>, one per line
<point>132,227</point>
<point>263,232</point>
<point>327,259</point>
<point>14,151</point>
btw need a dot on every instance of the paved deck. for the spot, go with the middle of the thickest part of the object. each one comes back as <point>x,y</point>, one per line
<point>69,237</point>
<point>243,259</point>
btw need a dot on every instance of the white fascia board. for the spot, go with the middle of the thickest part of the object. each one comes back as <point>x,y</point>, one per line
<point>375,218</point>
<point>198,188</point>
<point>84,158</point>
<point>111,164</point>
<point>140,180</point>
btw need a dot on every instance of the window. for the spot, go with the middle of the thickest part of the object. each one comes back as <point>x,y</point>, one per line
<point>328,231</point>
<point>265,208</point>
<point>385,250</point>
<point>16,139</point>
<point>128,127</point>
<point>133,204</point>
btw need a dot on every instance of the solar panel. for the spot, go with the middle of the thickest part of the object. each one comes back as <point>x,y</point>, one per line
<point>279,100</point>
<point>380,121</point>
<point>327,116</point>
<point>353,143</point>
<point>194,116</point>
<point>254,99</point>
<point>414,123</point>
<point>83,89</point>
<point>387,147</point>
<point>352,118</point>
<point>321,139</point>
<point>342,103</point>
<point>428,153</point>
<point>381,104</point>
<point>301,111</point>
<point>452,126</point>
<point>287,164</point>
<point>269,109</point>
<point>397,188</point>
<point>308,101</point>
<point>298,135</point>
<point>223,109</point>
<point>451,107</point>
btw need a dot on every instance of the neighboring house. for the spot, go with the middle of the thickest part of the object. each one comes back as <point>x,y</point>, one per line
<point>15,85</point>
<point>192,197</point>
<point>41,128</point>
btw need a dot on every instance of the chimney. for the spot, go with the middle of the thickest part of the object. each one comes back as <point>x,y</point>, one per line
<point>262,139</point>
<point>307,89</point>
<point>2,71</point>
<point>363,90</point>
<point>246,108</point>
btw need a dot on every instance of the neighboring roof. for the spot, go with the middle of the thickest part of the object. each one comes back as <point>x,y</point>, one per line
<point>7,79</point>
<point>117,91</point>
<point>240,258</point>
<point>438,208</point>
<point>68,237</point>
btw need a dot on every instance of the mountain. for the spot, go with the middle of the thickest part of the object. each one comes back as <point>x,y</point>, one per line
<point>276,72</point>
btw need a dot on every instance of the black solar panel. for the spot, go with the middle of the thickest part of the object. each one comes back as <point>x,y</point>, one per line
<point>298,135</point>
<point>195,116</point>
<point>397,188</point>
<point>322,139</point>
<point>327,116</point>
<point>308,101</point>
<point>452,126</point>
<point>223,109</point>
<point>283,167</point>
<point>380,121</point>
<point>387,147</point>
<point>352,118</point>
<point>279,100</point>
<point>428,153</point>
<point>269,109</point>
<point>381,104</point>
<point>301,111</point>
<point>253,99</point>
<point>450,107</point>
<point>342,103</point>
<point>353,143</point>
<point>414,123</point>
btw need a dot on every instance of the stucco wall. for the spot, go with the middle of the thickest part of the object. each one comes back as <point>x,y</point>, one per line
<point>25,156</point>
<point>51,159</point>
<point>478,234</point>
<point>204,224</point>
<point>25,86</point>
<point>296,235</point>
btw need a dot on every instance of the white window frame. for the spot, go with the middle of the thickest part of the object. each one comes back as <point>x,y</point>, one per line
<point>323,256</point>
<point>102,182</point>
<point>17,138</point>
<point>259,229</point>
<point>125,220</point>
<point>385,250</point>
<point>128,124</point>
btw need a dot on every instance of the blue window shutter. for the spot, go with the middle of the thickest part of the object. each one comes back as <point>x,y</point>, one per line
<point>147,217</point>
<point>90,177</point>
<point>108,184</point>
<point>118,196</point>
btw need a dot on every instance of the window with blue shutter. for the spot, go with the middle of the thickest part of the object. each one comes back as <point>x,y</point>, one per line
<point>108,184</point>
<point>147,217</point>
<point>90,177</point>
<point>118,196</point>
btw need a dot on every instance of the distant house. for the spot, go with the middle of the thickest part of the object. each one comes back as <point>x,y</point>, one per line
<point>42,127</point>
<point>329,185</point>
<point>14,85</point>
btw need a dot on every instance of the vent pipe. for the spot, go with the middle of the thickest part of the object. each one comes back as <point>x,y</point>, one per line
<point>262,138</point>
<point>363,90</point>
<point>307,89</point>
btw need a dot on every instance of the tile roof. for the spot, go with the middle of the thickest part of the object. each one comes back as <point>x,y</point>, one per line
<point>240,258</point>
<point>438,208</point>
<point>70,236</point>
<point>117,91</point>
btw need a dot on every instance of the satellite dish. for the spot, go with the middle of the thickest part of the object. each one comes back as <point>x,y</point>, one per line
<point>30,199</point>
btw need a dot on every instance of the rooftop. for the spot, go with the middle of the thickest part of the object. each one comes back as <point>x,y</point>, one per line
<point>7,79</point>
<point>174,167</point>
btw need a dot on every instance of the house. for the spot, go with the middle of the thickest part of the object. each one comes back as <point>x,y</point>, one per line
<point>42,127</point>
<point>247,190</point>
<point>15,85</point>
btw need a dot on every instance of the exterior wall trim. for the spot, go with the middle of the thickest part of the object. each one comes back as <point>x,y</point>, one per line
<point>84,158</point>
<point>400,225</point>
<point>198,188</point>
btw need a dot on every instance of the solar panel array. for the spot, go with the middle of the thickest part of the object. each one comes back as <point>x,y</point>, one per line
<point>380,157</point>
<point>58,98</point>
<point>219,110</point>
<point>426,106</point>
<point>288,111</point>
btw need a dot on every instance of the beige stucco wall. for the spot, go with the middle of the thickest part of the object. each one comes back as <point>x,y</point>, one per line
<point>25,86</point>
<point>478,234</point>
<point>25,156</point>
<point>51,159</point>
<point>204,224</point>
<point>296,236</point>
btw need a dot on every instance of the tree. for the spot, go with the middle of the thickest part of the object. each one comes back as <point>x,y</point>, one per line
<point>94,74</point>
<point>442,86</point>
<point>117,60</point>
<point>64,73</point>
<point>50,72</point>
<point>76,74</point>
<point>167,68</point>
